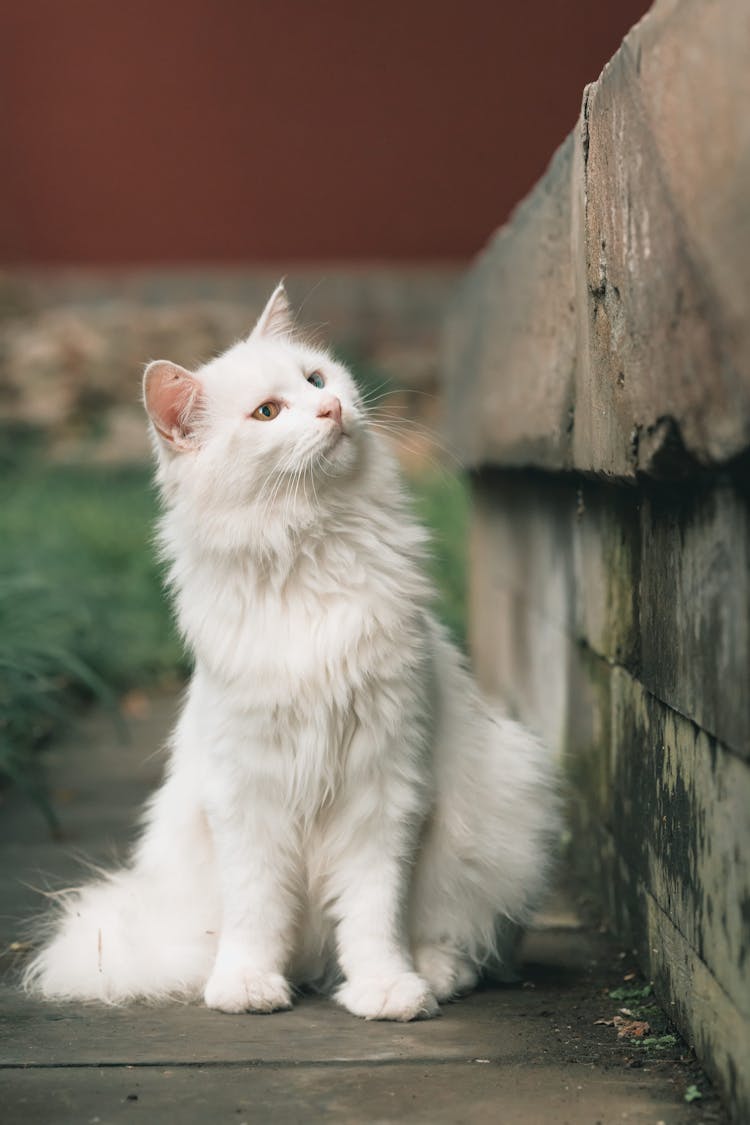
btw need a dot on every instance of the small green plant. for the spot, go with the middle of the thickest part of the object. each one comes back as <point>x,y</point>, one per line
<point>640,1006</point>
<point>659,1042</point>
<point>631,993</point>
<point>692,1094</point>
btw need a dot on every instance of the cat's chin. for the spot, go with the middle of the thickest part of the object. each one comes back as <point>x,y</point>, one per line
<point>340,454</point>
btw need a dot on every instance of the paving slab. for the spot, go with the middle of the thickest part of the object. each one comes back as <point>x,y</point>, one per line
<point>425,1092</point>
<point>527,1053</point>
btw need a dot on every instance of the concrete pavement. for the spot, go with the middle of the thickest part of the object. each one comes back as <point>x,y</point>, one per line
<point>525,1054</point>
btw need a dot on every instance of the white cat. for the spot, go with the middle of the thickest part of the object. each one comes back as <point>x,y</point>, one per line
<point>341,808</point>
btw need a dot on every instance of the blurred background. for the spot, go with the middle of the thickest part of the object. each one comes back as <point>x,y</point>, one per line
<point>164,164</point>
<point>238,131</point>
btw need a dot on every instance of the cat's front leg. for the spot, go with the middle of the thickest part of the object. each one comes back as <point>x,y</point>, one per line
<point>254,850</point>
<point>370,882</point>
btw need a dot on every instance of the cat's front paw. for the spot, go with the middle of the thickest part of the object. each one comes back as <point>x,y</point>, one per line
<point>403,997</point>
<point>247,990</point>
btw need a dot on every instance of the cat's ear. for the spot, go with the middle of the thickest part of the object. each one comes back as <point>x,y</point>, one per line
<point>172,397</point>
<point>277,318</point>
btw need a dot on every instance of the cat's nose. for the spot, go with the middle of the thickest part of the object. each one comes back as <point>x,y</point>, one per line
<point>330,407</point>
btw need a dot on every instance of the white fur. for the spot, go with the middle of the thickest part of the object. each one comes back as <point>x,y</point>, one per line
<point>341,807</point>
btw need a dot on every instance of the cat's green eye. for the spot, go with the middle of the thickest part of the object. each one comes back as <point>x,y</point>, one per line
<point>266,412</point>
<point>316,379</point>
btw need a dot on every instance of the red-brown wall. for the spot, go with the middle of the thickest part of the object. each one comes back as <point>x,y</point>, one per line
<point>165,131</point>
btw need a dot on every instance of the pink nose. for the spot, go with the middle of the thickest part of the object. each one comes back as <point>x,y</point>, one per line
<point>330,407</point>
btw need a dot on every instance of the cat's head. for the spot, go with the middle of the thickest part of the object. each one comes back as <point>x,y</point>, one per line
<point>270,412</point>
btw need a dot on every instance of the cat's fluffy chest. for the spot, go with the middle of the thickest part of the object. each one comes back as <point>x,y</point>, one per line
<point>321,633</point>
<point>311,726</point>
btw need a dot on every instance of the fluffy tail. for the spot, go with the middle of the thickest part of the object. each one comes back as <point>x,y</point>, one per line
<point>148,931</point>
<point>487,856</point>
<point>122,938</point>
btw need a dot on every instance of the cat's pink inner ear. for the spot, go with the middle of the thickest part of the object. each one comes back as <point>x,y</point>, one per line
<point>173,397</point>
<point>277,318</point>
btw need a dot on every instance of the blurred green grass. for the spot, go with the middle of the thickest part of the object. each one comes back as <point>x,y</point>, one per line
<point>83,612</point>
<point>84,536</point>
<point>441,501</point>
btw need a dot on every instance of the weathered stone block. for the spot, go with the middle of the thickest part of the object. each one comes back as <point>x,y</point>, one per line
<point>660,369</point>
<point>691,60</point>
<point>605,328</point>
<point>690,799</point>
<point>710,1020</point>
<point>673,861</point>
<point>656,581</point>
<point>600,613</point>
<point>612,603</point>
<point>606,538</point>
<point>510,341</point>
<point>694,606</point>
<point>522,564</point>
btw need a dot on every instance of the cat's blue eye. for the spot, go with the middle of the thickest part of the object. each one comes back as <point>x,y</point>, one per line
<point>316,379</point>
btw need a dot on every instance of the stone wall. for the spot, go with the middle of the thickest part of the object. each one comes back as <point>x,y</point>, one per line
<point>597,370</point>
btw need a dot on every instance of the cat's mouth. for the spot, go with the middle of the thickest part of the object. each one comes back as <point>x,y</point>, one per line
<point>337,435</point>
<point>337,449</point>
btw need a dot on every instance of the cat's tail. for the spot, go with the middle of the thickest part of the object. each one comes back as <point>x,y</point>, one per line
<point>488,853</point>
<point>118,939</point>
<point>148,931</point>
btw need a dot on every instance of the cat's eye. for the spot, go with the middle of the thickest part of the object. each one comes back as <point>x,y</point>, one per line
<point>266,412</point>
<point>316,379</point>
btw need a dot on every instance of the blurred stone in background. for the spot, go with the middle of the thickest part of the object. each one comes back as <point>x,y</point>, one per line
<point>145,202</point>
<point>73,344</point>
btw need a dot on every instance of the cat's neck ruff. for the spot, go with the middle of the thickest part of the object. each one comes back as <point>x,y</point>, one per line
<point>345,575</point>
<point>291,524</point>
